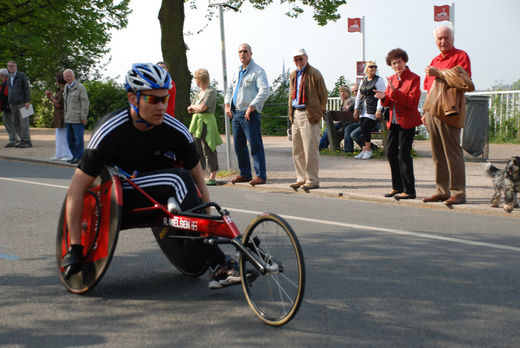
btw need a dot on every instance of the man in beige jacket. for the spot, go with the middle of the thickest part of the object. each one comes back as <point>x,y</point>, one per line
<point>307,103</point>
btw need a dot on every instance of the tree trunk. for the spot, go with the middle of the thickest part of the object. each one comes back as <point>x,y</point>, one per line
<point>171,17</point>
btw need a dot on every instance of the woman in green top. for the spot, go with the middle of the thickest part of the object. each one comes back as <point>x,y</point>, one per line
<point>203,125</point>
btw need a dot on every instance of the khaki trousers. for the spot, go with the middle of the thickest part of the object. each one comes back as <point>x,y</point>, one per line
<point>448,158</point>
<point>306,155</point>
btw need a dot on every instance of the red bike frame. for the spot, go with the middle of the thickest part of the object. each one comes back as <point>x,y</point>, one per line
<point>205,226</point>
<point>208,227</point>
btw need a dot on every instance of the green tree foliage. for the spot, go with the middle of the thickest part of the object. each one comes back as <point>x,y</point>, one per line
<point>342,81</point>
<point>43,112</point>
<point>503,129</point>
<point>280,89</point>
<point>46,36</point>
<point>171,16</point>
<point>105,97</point>
<point>516,85</point>
<point>219,109</point>
<point>324,10</point>
<point>274,114</point>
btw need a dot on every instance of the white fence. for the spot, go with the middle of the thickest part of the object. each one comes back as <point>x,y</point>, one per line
<point>503,106</point>
<point>333,103</point>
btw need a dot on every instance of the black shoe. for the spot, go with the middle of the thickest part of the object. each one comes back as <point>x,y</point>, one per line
<point>392,193</point>
<point>404,196</point>
<point>23,144</point>
<point>11,144</point>
<point>74,161</point>
<point>72,261</point>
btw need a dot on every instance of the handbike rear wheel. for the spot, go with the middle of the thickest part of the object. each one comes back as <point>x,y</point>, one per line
<point>276,296</point>
<point>100,229</point>
<point>184,254</point>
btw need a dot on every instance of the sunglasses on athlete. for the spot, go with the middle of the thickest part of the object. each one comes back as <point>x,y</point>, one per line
<point>153,99</point>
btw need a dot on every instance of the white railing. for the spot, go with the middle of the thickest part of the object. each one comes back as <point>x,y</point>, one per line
<point>333,103</point>
<point>503,105</point>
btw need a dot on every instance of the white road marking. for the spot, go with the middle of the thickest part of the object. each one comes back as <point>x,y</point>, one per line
<point>33,183</point>
<point>389,230</point>
<point>341,224</point>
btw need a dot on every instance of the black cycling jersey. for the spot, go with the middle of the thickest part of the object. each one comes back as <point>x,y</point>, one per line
<point>116,141</point>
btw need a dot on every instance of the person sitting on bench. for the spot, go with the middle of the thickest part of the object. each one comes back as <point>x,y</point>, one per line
<point>347,104</point>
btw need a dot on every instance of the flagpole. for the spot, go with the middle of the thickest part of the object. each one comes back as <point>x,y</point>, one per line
<point>452,15</point>
<point>363,37</point>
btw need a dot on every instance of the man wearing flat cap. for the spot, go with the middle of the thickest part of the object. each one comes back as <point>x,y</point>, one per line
<point>307,103</point>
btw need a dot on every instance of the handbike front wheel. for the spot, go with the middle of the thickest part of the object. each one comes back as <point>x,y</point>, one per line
<point>276,296</point>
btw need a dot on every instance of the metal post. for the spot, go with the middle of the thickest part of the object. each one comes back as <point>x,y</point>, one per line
<point>452,15</point>
<point>224,76</point>
<point>363,37</point>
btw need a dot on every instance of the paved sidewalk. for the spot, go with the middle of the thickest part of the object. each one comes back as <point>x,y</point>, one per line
<point>340,177</point>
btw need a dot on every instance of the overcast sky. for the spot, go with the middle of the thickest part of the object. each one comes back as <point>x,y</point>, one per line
<point>487,31</point>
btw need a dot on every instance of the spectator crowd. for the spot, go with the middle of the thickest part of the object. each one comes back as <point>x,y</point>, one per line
<point>391,103</point>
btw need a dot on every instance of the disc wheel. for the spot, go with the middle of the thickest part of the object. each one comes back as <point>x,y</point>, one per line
<point>184,254</point>
<point>100,222</point>
<point>276,296</point>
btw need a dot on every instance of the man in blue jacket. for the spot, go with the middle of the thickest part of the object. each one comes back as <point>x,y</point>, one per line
<point>19,97</point>
<point>245,98</point>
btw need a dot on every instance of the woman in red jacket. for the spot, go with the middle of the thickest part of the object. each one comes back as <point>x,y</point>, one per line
<point>402,98</point>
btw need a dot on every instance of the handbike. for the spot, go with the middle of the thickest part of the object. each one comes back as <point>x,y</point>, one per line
<point>268,246</point>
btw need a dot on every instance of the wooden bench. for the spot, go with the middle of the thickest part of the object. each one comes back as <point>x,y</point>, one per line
<point>330,117</point>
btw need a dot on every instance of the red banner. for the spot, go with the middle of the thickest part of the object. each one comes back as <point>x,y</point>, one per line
<point>354,25</point>
<point>441,13</point>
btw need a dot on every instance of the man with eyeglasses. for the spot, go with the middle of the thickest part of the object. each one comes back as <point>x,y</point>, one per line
<point>141,140</point>
<point>19,97</point>
<point>307,103</point>
<point>245,98</point>
<point>76,107</point>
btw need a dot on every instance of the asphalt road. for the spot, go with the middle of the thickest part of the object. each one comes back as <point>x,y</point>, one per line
<point>377,275</point>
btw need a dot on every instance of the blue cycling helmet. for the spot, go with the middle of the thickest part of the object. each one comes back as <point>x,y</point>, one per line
<point>146,76</point>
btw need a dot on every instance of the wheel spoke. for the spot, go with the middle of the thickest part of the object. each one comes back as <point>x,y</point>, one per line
<point>282,290</point>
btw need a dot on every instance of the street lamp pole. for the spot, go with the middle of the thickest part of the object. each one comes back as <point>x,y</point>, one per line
<point>224,74</point>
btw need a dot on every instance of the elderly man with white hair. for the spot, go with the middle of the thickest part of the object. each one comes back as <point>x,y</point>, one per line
<point>447,78</point>
<point>76,106</point>
<point>307,103</point>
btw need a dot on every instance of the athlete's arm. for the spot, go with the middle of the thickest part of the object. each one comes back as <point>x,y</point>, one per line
<point>78,185</point>
<point>198,176</point>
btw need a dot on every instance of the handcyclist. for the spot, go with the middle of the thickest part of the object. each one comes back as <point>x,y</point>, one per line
<point>139,139</point>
